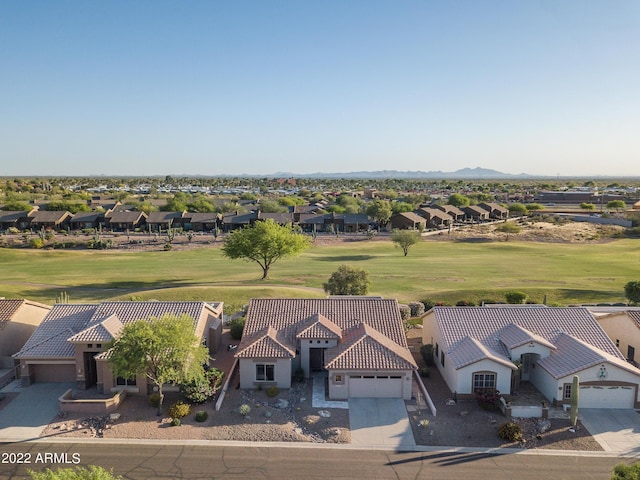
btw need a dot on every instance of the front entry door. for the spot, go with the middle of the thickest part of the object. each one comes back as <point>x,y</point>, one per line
<point>316,358</point>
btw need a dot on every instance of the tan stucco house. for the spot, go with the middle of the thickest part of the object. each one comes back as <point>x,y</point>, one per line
<point>358,342</point>
<point>18,320</point>
<point>622,326</point>
<point>71,343</point>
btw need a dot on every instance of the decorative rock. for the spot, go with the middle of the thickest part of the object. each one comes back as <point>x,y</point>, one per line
<point>114,416</point>
<point>493,421</point>
<point>324,413</point>
<point>451,402</point>
<point>267,414</point>
<point>298,431</point>
<point>303,399</point>
<point>545,426</point>
<point>464,413</point>
<point>282,403</point>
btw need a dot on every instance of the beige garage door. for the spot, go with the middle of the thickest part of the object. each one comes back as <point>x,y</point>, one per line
<point>59,373</point>
<point>375,386</point>
<point>606,397</point>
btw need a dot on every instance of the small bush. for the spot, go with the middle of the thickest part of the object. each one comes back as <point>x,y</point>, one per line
<point>417,308</point>
<point>465,303</point>
<point>244,409</point>
<point>425,372</point>
<point>510,432</point>
<point>167,247</point>
<point>176,422</point>
<point>36,243</point>
<point>405,312</point>
<point>427,354</point>
<point>179,410</point>
<point>298,375</point>
<point>626,472</point>
<point>201,416</point>
<point>488,398</point>
<point>428,304</point>
<point>154,400</point>
<point>515,297</point>
<point>273,391</point>
<point>236,326</point>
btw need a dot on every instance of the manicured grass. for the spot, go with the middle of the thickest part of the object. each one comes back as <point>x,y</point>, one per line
<point>444,271</point>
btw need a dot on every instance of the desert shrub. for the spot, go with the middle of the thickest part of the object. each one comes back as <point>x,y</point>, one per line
<point>298,375</point>
<point>465,303</point>
<point>428,303</point>
<point>417,308</point>
<point>201,416</point>
<point>13,230</point>
<point>167,247</point>
<point>176,422</point>
<point>272,391</point>
<point>425,372</point>
<point>623,471</point>
<point>511,432</point>
<point>488,398</point>
<point>154,400</point>
<point>405,312</point>
<point>236,326</point>
<point>515,297</point>
<point>36,243</point>
<point>202,388</point>
<point>427,354</point>
<point>179,410</point>
<point>244,409</point>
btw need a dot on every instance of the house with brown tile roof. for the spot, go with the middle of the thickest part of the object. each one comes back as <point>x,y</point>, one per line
<point>407,220</point>
<point>121,220</point>
<point>358,342</point>
<point>50,219</point>
<point>159,221</point>
<point>434,217</point>
<point>482,347</point>
<point>16,219</point>
<point>70,345</point>
<point>18,320</point>
<point>495,210</point>
<point>456,213</point>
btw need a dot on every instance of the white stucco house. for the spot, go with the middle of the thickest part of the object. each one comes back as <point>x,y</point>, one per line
<point>495,347</point>
<point>359,342</point>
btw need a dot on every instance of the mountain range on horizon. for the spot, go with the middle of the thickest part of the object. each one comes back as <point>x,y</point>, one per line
<point>464,173</point>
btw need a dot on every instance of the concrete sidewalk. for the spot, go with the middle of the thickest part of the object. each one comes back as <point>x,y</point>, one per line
<point>380,422</point>
<point>31,411</point>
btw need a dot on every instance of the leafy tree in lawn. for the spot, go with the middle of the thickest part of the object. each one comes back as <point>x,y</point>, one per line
<point>347,281</point>
<point>379,211</point>
<point>458,200</point>
<point>405,239</point>
<point>264,243</point>
<point>632,292</point>
<point>164,349</point>
<point>508,228</point>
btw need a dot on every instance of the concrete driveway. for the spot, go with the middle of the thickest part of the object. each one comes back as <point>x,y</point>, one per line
<point>32,410</point>
<point>380,422</point>
<point>616,430</point>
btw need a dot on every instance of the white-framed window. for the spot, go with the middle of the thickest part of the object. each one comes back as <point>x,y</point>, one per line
<point>265,372</point>
<point>566,391</point>
<point>483,380</point>
<point>338,378</point>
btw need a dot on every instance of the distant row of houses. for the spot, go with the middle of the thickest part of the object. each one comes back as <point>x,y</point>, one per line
<point>443,216</point>
<point>119,217</point>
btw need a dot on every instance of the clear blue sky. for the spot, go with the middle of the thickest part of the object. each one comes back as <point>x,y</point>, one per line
<point>229,87</point>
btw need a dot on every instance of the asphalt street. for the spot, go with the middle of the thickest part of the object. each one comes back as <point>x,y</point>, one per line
<point>279,462</point>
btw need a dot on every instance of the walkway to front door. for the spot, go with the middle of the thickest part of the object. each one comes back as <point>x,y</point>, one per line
<point>319,398</point>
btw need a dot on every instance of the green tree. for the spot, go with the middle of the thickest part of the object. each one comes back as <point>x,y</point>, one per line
<point>458,200</point>
<point>587,206</point>
<point>401,207</point>
<point>405,239</point>
<point>616,205</point>
<point>379,211</point>
<point>92,472</point>
<point>632,292</point>
<point>508,228</point>
<point>264,243</point>
<point>16,206</point>
<point>347,281</point>
<point>515,297</point>
<point>534,207</point>
<point>623,471</point>
<point>517,209</point>
<point>165,350</point>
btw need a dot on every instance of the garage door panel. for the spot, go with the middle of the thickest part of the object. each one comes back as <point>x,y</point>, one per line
<point>606,396</point>
<point>375,386</point>
<point>58,373</point>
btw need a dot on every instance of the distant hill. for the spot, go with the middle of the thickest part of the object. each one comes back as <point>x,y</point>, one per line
<point>465,173</point>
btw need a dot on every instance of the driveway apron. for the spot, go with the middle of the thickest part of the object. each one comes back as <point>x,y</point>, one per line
<point>380,421</point>
<point>616,430</point>
<point>31,411</point>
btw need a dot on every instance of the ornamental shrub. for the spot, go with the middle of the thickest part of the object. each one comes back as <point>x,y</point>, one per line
<point>236,326</point>
<point>417,308</point>
<point>202,388</point>
<point>273,391</point>
<point>201,416</point>
<point>405,312</point>
<point>244,409</point>
<point>488,398</point>
<point>427,354</point>
<point>179,410</point>
<point>176,422</point>
<point>511,432</point>
<point>154,400</point>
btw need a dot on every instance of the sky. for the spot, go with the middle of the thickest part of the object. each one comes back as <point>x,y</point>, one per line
<point>157,87</point>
